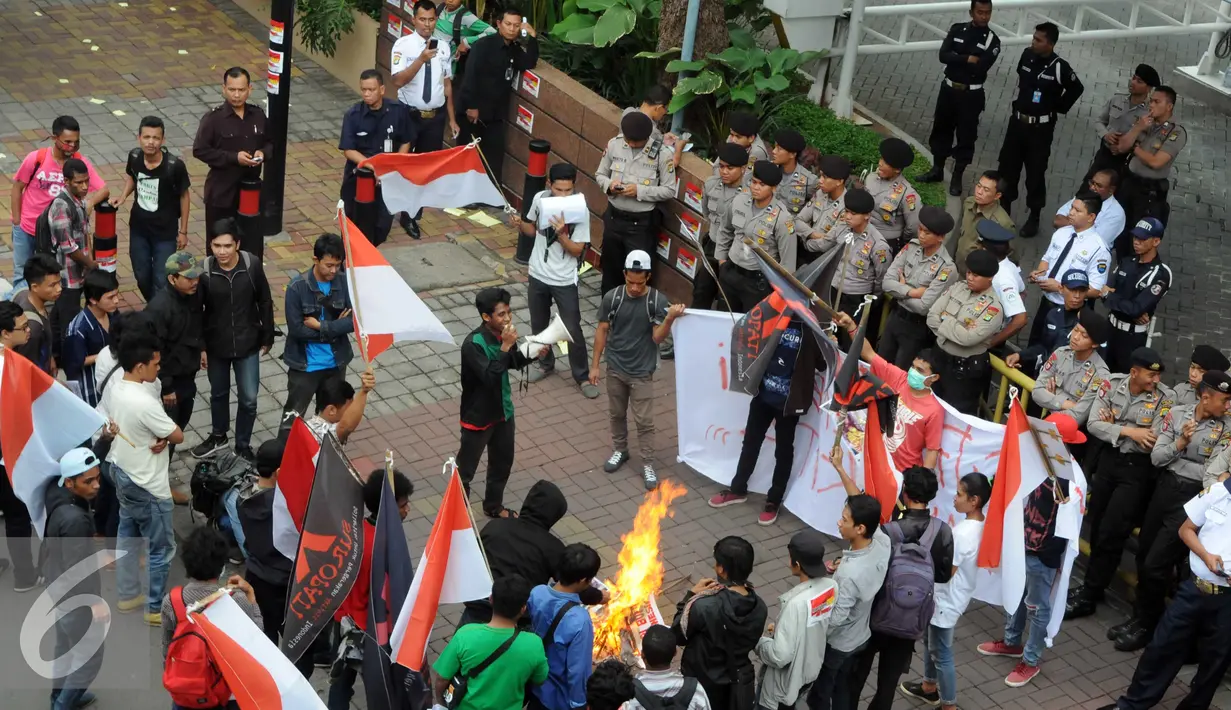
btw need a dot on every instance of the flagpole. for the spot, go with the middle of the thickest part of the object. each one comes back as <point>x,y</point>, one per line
<point>841,427</point>
<point>359,334</point>
<point>508,208</point>
<point>781,271</point>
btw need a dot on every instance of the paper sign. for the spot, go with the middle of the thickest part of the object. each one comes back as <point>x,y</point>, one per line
<point>118,112</point>
<point>690,227</point>
<point>686,262</point>
<point>455,212</point>
<point>97,101</point>
<point>525,119</point>
<point>692,196</point>
<point>483,219</point>
<point>275,61</point>
<point>664,245</point>
<point>530,83</point>
<point>277,30</point>
<point>572,207</point>
<point>271,85</point>
<point>395,26</point>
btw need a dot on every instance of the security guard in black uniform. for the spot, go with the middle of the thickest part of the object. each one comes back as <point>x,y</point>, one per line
<point>374,125</point>
<point>1046,86</point>
<point>1152,143</point>
<point>968,52</point>
<point>1058,323</point>
<point>1133,293</point>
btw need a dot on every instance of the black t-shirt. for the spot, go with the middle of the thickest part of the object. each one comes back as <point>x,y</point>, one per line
<point>156,199</point>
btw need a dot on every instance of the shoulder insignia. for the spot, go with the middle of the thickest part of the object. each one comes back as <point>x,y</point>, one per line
<point>1102,267</point>
<point>1157,289</point>
<point>1164,407</point>
<point>1104,387</point>
<point>943,276</point>
<point>790,226</point>
<point>397,57</point>
<point>671,166</point>
<point>910,202</point>
<point>882,255</point>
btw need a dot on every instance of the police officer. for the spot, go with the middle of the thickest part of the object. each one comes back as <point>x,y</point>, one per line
<point>863,263</point>
<point>897,203</point>
<point>744,132</point>
<point>761,217</point>
<point>1204,359</point>
<point>1058,322</point>
<point>374,125</point>
<point>1201,612</point>
<point>1126,412</point>
<point>965,319</point>
<point>636,174</point>
<point>1070,379</point>
<point>1133,292</point>
<point>1190,437</point>
<point>798,183</point>
<point>994,238</point>
<point>720,192</point>
<point>968,52</point>
<point>1046,86</point>
<point>1119,114</point>
<point>824,211</point>
<point>916,279</point>
<point>1153,142</point>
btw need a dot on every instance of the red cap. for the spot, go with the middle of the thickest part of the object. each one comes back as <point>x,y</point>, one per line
<point>1067,426</point>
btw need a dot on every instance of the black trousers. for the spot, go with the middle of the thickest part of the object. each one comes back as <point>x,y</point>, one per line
<point>185,389</point>
<point>1119,489</point>
<point>1194,616</point>
<point>106,505</point>
<point>760,416</point>
<point>906,335</point>
<point>831,690</point>
<point>491,135</point>
<point>1120,345</point>
<point>955,124</point>
<point>498,441</point>
<point>1159,547</point>
<point>376,222</point>
<point>301,387</point>
<point>428,135</point>
<point>1141,197</point>
<point>704,286</point>
<point>745,288</point>
<point>1028,146</point>
<point>849,304</point>
<point>1038,324</point>
<point>895,656</point>
<point>963,380</point>
<point>568,304</point>
<point>19,532</point>
<point>1104,159</point>
<point>624,232</point>
<point>68,305</point>
<point>271,600</point>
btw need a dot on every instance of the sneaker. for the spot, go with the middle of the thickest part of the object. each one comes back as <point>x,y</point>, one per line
<point>235,558</point>
<point>246,453</point>
<point>726,498</point>
<point>589,391</point>
<point>769,516</point>
<point>1021,675</point>
<point>915,690</point>
<point>209,445</point>
<point>618,459</point>
<point>153,618</point>
<point>23,586</point>
<point>650,477</point>
<point>536,374</point>
<point>127,605</point>
<point>1000,648</point>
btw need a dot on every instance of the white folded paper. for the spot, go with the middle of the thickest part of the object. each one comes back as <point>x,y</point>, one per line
<point>572,207</point>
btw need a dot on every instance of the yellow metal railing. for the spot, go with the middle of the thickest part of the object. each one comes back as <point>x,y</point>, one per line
<point>1014,376</point>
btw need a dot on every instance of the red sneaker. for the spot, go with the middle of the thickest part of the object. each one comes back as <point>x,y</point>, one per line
<point>1000,648</point>
<point>769,516</point>
<point>1021,675</point>
<point>726,498</point>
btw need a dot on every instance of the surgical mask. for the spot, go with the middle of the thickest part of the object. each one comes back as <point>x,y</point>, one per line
<point>916,380</point>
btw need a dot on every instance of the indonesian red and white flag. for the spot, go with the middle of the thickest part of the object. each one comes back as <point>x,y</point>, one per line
<point>40,421</point>
<point>258,674</point>
<point>453,570</point>
<point>453,177</point>
<point>294,487</point>
<point>386,308</point>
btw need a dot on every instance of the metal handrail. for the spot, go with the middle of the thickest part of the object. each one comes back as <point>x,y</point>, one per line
<point>1010,375</point>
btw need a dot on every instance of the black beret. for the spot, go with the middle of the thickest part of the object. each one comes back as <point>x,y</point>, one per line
<point>790,140</point>
<point>562,171</point>
<point>982,263</point>
<point>1097,326</point>
<point>743,123</point>
<point>859,201</point>
<point>936,219</point>
<point>897,153</point>
<point>1148,74</point>
<point>767,173</point>
<point>990,231</point>
<point>1217,380</point>
<point>636,126</point>
<point>1207,357</point>
<point>835,167</point>
<point>1146,358</point>
<point>733,154</point>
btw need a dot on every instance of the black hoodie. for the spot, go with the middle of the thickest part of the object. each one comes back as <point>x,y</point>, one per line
<point>722,630</point>
<point>68,536</point>
<point>256,515</point>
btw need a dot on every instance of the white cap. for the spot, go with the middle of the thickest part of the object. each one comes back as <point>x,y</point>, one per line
<point>76,462</point>
<point>637,260</point>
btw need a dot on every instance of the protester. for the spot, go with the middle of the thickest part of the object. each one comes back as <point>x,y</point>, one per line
<point>233,140</point>
<point>178,317</point>
<point>42,275</point>
<point>14,330</point>
<point>659,683</point>
<point>88,333</point>
<point>205,561</point>
<point>611,687</point>
<point>719,623</point>
<point>339,409</point>
<point>566,629</point>
<point>266,569</point>
<point>68,229</point>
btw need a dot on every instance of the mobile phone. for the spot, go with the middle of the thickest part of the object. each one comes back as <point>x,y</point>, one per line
<point>431,44</point>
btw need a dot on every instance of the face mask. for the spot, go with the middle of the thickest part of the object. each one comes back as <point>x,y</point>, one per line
<point>916,380</point>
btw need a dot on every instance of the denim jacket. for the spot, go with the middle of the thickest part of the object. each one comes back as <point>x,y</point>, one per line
<point>304,299</point>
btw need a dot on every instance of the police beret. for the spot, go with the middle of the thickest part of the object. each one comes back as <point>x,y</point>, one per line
<point>1075,278</point>
<point>859,201</point>
<point>1217,380</point>
<point>936,219</point>
<point>982,263</point>
<point>789,140</point>
<point>1148,74</point>
<point>767,173</point>
<point>1097,326</point>
<point>733,154</point>
<point>835,167</point>
<point>990,231</point>
<point>562,171</point>
<point>1146,358</point>
<point>1207,357</point>
<point>743,123</point>
<point>636,126</point>
<point>897,153</point>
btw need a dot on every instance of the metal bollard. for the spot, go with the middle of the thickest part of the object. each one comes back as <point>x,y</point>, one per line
<point>536,182</point>
<point>366,206</point>
<point>106,245</point>
<point>248,219</point>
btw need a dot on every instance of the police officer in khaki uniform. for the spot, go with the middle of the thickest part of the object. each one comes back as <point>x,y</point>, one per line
<point>1119,114</point>
<point>798,184</point>
<point>916,278</point>
<point>720,192</point>
<point>1126,414</point>
<point>897,203</point>
<point>1153,142</point>
<point>745,128</point>
<point>759,216</point>
<point>1204,359</point>
<point>964,319</point>
<point>824,211</point>
<point>1072,375</point>
<point>636,174</point>
<point>863,263</point>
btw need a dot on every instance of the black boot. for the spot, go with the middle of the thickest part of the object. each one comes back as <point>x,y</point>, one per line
<point>1083,605</point>
<point>1137,637</point>
<point>410,225</point>
<point>1031,226</point>
<point>936,174</point>
<point>1118,630</point>
<point>955,182</point>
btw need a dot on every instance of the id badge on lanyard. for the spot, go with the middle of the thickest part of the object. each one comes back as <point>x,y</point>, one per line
<point>1037,96</point>
<point>388,147</point>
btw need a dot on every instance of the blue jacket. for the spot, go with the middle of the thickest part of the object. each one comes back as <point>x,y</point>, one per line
<point>83,336</point>
<point>570,651</point>
<point>304,299</point>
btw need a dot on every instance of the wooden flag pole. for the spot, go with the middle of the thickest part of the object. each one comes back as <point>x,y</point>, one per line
<point>840,429</point>
<point>350,262</point>
<point>1038,442</point>
<point>778,269</point>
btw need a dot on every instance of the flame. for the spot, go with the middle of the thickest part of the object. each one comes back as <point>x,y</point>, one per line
<point>641,571</point>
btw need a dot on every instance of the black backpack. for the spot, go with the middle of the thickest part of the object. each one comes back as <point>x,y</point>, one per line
<point>213,477</point>
<point>44,242</point>
<point>652,701</point>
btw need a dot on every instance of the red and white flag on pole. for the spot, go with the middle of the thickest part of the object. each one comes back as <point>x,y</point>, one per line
<point>386,308</point>
<point>453,570</point>
<point>258,674</point>
<point>40,421</point>
<point>294,487</point>
<point>453,177</point>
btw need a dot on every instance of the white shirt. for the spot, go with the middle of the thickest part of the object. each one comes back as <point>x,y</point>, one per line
<point>953,596</point>
<point>1209,511</point>
<point>1008,285</point>
<point>1108,223</point>
<point>1088,254</point>
<point>405,51</point>
<point>319,427</point>
<point>142,420</point>
<point>103,366</point>
<point>560,267</point>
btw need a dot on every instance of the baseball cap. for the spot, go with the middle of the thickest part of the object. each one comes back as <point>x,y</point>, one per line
<point>183,263</point>
<point>1067,426</point>
<point>76,462</point>
<point>1148,228</point>
<point>1075,279</point>
<point>637,260</point>
<point>807,548</point>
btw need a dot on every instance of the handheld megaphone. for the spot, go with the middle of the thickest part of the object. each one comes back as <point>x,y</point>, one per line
<point>552,334</point>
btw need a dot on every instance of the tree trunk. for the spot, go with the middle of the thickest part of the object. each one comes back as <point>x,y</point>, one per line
<point>712,36</point>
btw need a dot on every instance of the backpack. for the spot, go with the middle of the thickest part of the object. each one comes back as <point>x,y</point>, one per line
<point>651,296</point>
<point>213,477</point>
<point>652,701</point>
<point>190,674</point>
<point>904,605</point>
<point>44,240</point>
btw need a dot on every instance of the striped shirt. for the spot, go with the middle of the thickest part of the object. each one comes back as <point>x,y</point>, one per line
<point>84,337</point>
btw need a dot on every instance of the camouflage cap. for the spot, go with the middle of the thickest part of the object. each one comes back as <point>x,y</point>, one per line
<point>183,263</point>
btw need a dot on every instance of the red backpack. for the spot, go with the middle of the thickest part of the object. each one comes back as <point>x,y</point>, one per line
<point>190,674</point>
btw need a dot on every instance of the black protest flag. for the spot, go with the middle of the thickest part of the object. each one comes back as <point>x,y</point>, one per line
<point>852,388</point>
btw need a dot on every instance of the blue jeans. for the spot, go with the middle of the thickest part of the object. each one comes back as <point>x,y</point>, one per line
<point>230,501</point>
<point>247,382</point>
<point>149,255</point>
<point>1035,606</point>
<point>143,516</point>
<point>23,249</point>
<point>938,665</point>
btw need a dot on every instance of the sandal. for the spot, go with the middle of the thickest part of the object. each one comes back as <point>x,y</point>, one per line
<point>501,512</point>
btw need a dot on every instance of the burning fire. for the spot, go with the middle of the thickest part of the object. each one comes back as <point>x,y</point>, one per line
<point>640,576</point>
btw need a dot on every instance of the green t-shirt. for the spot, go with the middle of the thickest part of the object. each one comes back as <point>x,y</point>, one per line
<point>494,352</point>
<point>502,685</point>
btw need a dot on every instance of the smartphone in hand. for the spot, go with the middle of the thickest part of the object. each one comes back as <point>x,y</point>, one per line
<point>432,43</point>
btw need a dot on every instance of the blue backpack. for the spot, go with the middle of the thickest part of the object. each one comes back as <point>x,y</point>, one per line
<point>904,605</point>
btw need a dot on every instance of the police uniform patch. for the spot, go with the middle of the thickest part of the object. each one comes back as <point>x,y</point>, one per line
<point>991,313</point>
<point>1102,267</point>
<point>887,217</point>
<point>943,276</point>
<point>646,182</point>
<point>1173,136</point>
<point>790,227</point>
<point>882,255</point>
<point>933,268</point>
<point>397,57</point>
<point>671,167</point>
<point>1157,289</point>
<point>760,240</point>
<point>910,202</point>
